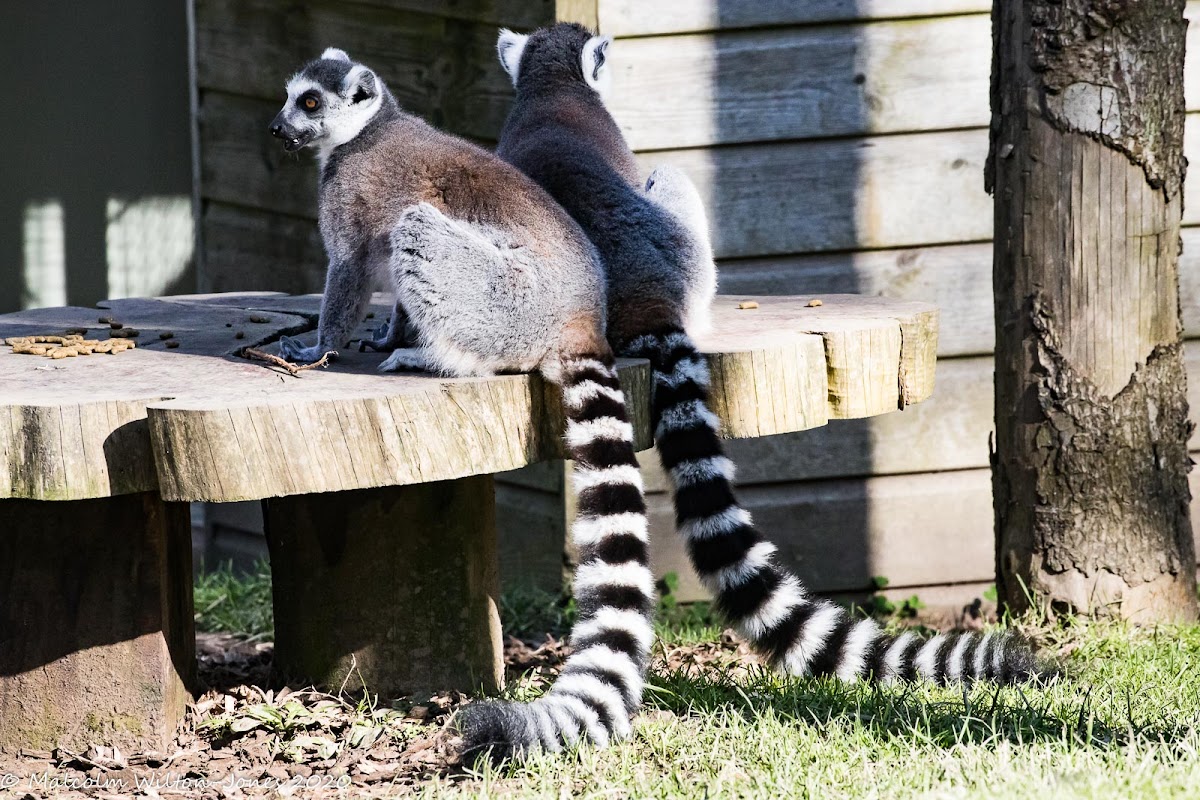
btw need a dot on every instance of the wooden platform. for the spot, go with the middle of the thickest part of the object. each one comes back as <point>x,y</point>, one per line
<point>378,488</point>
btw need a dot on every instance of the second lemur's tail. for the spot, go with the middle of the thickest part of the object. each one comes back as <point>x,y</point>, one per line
<point>795,631</point>
<point>600,686</point>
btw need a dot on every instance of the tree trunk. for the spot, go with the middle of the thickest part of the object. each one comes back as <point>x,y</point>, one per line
<point>1086,165</point>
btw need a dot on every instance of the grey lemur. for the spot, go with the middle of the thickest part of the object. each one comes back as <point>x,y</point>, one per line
<point>654,242</point>
<point>492,276</point>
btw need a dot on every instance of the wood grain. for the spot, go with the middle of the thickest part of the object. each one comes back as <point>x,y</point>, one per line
<point>783,83</point>
<point>96,613</point>
<point>247,249</point>
<point>801,83</point>
<point>441,68</point>
<point>76,428</point>
<point>219,428</point>
<point>877,192</point>
<point>637,18</point>
<point>949,431</point>
<point>390,590</point>
<point>955,278</point>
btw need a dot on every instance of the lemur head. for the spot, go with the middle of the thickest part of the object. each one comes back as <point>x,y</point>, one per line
<point>563,53</point>
<point>329,102</point>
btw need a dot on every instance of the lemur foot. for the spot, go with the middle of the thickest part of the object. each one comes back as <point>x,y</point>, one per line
<point>293,351</point>
<point>406,359</point>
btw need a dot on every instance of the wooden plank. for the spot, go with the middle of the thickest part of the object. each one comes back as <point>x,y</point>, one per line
<point>390,590</point>
<point>507,13</point>
<point>947,432</point>
<point>839,535</point>
<point>914,530</point>
<point>242,164</point>
<point>96,615</point>
<point>639,18</point>
<point>802,83</point>
<point>585,12</point>
<point>636,18</point>
<point>885,191</point>
<point>76,428</point>
<point>248,249</point>
<point>846,194</point>
<point>955,278</point>
<point>442,69</point>
<point>771,375</point>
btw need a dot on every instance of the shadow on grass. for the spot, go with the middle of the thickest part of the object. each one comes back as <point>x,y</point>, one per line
<point>1065,711</point>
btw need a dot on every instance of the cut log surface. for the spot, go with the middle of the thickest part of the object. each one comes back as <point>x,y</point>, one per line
<point>198,422</point>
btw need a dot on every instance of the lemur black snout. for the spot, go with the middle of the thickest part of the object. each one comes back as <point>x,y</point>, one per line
<point>277,130</point>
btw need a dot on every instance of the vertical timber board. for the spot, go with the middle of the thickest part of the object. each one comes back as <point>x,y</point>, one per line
<point>97,644</point>
<point>392,590</point>
<point>1086,164</point>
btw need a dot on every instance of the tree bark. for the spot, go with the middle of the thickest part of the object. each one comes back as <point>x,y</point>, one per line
<point>1086,164</point>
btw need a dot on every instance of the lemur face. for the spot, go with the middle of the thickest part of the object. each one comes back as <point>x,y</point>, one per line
<point>563,53</point>
<point>329,102</point>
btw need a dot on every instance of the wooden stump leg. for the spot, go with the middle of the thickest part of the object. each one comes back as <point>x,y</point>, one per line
<point>96,636</point>
<point>392,590</point>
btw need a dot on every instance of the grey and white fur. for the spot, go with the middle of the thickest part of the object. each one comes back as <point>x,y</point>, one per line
<point>492,276</point>
<point>654,241</point>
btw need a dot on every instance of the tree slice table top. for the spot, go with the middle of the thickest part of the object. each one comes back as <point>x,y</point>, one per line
<point>196,421</point>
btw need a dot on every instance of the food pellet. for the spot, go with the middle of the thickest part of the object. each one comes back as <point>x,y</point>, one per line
<point>116,326</point>
<point>166,335</point>
<point>171,345</point>
<point>747,304</point>
<point>814,303</point>
<point>240,335</point>
<point>259,319</point>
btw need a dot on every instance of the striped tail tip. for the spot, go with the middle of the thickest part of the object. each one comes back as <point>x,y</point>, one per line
<point>580,708</point>
<point>601,683</point>
<point>495,731</point>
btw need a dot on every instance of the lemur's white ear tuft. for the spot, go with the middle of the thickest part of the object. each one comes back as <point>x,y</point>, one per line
<point>336,54</point>
<point>509,47</point>
<point>595,64</point>
<point>360,84</point>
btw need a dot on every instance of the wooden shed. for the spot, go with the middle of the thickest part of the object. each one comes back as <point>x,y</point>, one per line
<point>839,145</point>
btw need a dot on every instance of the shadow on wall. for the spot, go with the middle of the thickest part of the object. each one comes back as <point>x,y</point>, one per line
<point>782,99</point>
<point>96,199</point>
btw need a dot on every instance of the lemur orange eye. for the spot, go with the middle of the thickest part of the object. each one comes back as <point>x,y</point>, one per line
<point>310,103</point>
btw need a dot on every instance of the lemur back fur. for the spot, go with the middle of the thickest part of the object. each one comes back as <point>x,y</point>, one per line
<point>655,247</point>
<point>492,275</point>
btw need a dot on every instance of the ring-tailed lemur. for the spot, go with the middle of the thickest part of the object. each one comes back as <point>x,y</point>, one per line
<point>655,247</point>
<point>493,276</point>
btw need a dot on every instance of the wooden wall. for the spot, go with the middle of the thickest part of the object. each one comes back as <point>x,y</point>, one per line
<point>840,147</point>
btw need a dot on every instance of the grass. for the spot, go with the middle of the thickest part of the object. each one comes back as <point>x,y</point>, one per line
<point>227,601</point>
<point>1125,722</point>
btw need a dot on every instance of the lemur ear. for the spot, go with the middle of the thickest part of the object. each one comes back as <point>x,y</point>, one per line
<point>595,64</point>
<point>336,54</point>
<point>509,47</point>
<point>360,84</point>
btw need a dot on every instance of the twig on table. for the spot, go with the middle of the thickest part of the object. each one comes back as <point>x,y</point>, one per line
<point>293,369</point>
